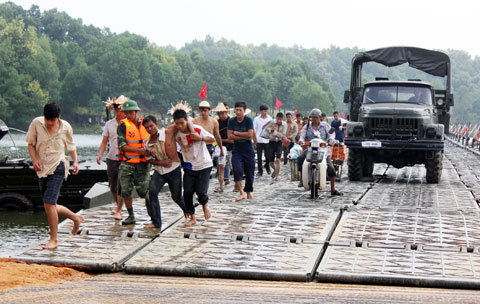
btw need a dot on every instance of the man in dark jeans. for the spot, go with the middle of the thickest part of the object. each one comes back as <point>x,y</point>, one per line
<point>198,164</point>
<point>166,171</point>
<point>259,124</point>
<point>240,130</point>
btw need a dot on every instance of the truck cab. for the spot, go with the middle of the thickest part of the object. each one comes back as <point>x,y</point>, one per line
<point>400,123</point>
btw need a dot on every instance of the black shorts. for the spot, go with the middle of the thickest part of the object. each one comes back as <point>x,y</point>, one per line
<point>112,172</point>
<point>275,149</point>
<point>50,186</point>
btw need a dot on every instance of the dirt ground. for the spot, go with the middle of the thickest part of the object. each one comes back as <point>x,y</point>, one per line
<point>18,273</point>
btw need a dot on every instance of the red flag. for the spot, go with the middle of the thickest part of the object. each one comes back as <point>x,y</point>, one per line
<point>343,115</point>
<point>296,111</point>
<point>203,91</point>
<point>278,103</point>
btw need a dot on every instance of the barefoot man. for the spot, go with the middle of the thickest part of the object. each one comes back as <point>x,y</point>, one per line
<point>48,137</point>
<point>240,130</point>
<point>210,125</point>
<point>113,161</point>
<point>198,164</point>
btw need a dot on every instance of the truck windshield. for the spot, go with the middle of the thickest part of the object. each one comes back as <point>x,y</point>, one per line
<point>404,94</point>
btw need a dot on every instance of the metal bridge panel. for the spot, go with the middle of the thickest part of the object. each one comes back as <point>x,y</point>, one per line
<point>428,228</point>
<point>265,221</point>
<point>226,258</point>
<point>99,220</point>
<point>400,263</point>
<point>96,252</point>
<point>406,188</point>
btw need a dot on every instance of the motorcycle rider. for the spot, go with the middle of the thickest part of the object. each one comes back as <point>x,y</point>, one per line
<point>311,131</point>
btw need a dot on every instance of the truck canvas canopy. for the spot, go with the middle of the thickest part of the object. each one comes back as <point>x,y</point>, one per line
<point>432,62</point>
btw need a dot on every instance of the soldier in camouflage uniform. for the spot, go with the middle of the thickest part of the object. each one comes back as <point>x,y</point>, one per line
<point>135,169</point>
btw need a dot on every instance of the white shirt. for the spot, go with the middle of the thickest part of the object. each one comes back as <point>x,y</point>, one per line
<point>110,130</point>
<point>258,125</point>
<point>158,149</point>
<point>195,153</point>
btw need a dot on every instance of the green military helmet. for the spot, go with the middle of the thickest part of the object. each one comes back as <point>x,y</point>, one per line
<point>130,105</point>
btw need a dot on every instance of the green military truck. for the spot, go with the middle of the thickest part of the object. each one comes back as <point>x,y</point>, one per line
<point>400,123</point>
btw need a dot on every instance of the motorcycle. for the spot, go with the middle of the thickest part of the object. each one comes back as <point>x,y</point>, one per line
<point>314,169</point>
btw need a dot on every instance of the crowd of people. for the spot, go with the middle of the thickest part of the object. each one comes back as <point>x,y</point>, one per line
<point>186,147</point>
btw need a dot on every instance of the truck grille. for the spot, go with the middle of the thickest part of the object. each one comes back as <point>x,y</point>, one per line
<point>393,128</point>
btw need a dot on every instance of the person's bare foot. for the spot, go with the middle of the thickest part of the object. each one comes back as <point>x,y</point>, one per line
<point>192,221</point>
<point>50,245</point>
<point>113,211</point>
<point>117,216</point>
<point>206,212</point>
<point>249,195</point>
<point>241,197</point>
<point>149,226</point>
<point>76,224</point>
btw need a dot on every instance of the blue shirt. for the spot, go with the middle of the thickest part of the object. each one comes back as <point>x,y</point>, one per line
<point>244,145</point>
<point>339,134</point>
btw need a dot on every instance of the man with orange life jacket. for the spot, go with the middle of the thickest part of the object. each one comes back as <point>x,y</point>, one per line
<point>135,169</point>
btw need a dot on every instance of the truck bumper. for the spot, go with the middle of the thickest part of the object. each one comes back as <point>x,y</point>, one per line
<point>420,145</point>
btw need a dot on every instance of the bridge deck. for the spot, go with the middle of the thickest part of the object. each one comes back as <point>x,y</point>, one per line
<point>394,229</point>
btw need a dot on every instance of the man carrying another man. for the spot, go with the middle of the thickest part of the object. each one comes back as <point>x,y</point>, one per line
<point>198,164</point>
<point>165,171</point>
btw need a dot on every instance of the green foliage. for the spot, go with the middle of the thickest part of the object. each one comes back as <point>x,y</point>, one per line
<point>50,56</point>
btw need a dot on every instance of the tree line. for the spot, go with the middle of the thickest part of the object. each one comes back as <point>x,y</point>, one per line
<point>50,56</point>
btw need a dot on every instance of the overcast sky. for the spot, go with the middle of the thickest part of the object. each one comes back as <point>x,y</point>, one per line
<point>368,24</point>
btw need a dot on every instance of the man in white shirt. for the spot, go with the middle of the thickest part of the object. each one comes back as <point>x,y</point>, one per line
<point>259,124</point>
<point>198,164</point>
<point>113,162</point>
<point>165,171</point>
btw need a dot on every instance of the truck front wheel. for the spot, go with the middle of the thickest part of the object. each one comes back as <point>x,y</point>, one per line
<point>434,167</point>
<point>355,164</point>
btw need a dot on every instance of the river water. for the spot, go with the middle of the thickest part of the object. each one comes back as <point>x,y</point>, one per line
<point>19,230</point>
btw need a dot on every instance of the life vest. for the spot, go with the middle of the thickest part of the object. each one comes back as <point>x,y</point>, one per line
<point>135,138</point>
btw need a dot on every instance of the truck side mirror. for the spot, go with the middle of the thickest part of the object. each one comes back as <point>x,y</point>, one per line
<point>346,97</point>
<point>450,100</point>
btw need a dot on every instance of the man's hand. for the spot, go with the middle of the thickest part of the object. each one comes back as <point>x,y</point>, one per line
<point>195,136</point>
<point>75,168</point>
<point>144,152</point>
<point>37,165</point>
<point>167,163</point>
<point>99,159</point>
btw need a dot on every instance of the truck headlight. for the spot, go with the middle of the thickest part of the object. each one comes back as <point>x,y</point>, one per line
<point>358,130</point>
<point>431,132</point>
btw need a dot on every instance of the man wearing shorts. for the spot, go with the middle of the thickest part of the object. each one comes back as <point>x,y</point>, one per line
<point>113,161</point>
<point>48,137</point>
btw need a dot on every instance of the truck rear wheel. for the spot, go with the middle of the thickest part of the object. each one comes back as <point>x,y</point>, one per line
<point>434,167</point>
<point>355,164</point>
